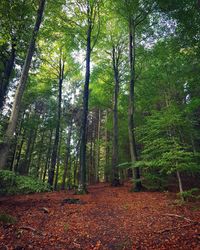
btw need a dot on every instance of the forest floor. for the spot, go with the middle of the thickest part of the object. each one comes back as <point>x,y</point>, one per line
<point>106,218</point>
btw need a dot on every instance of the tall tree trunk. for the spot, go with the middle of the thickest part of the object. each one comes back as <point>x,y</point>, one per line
<point>66,168</point>
<point>57,170</point>
<point>82,172</point>
<point>48,157</point>
<point>69,181</point>
<point>16,167</point>
<point>115,174</point>
<point>56,141</point>
<point>58,163</point>
<point>4,80</point>
<point>98,147</point>
<point>12,166</point>
<point>107,153</point>
<point>23,169</point>
<point>4,149</point>
<point>133,150</point>
<point>35,171</point>
<point>76,164</point>
<point>32,149</point>
<point>180,184</point>
<point>91,166</point>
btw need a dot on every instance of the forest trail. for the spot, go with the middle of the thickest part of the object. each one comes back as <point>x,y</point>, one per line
<point>107,218</point>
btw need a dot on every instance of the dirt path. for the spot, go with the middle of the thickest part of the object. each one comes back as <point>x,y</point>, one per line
<point>109,218</point>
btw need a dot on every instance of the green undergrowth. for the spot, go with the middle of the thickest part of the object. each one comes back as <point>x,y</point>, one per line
<point>11,183</point>
<point>190,195</point>
<point>7,219</point>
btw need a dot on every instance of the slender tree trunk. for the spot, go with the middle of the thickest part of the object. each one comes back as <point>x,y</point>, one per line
<point>115,174</point>
<point>133,151</point>
<point>48,157</point>
<point>94,144</point>
<point>69,181</point>
<point>57,170</point>
<point>16,167</point>
<point>12,166</point>
<point>32,149</point>
<point>98,147</point>
<point>56,141</point>
<point>37,167</point>
<point>107,153</point>
<point>180,184</point>
<point>83,169</point>
<point>58,163</point>
<point>14,156</point>
<point>91,169</point>
<point>4,149</point>
<point>23,169</point>
<point>66,168</point>
<point>4,80</point>
<point>76,164</point>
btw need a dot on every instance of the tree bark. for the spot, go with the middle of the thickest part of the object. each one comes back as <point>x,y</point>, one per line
<point>58,163</point>
<point>23,165</point>
<point>47,162</point>
<point>66,168</point>
<point>56,141</point>
<point>91,166</point>
<point>35,171</point>
<point>6,75</point>
<point>76,165</point>
<point>115,174</point>
<point>16,167</point>
<point>133,150</point>
<point>32,149</point>
<point>98,148</point>
<point>4,150</point>
<point>107,152</point>
<point>82,171</point>
<point>12,166</point>
<point>179,182</point>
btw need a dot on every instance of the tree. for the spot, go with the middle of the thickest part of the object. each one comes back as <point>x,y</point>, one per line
<point>134,13</point>
<point>91,9</point>
<point>69,124</point>
<point>15,22</point>
<point>56,141</point>
<point>68,147</point>
<point>165,152</point>
<point>4,150</point>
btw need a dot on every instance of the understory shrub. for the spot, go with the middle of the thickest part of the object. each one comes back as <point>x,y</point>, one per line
<point>155,181</point>
<point>11,183</point>
<point>190,195</point>
<point>7,219</point>
<point>7,179</point>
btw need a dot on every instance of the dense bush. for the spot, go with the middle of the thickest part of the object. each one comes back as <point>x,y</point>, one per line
<point>7,179</point>
<point>11,183</point>
<point>190,195</point>
<point>155,181</point>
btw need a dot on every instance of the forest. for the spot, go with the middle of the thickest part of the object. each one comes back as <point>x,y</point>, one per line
<point>100,95</point>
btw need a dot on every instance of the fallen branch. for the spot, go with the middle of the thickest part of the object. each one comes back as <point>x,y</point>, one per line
<point>28,228</point>
<point>44,209</point>
<point>182,217</point>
